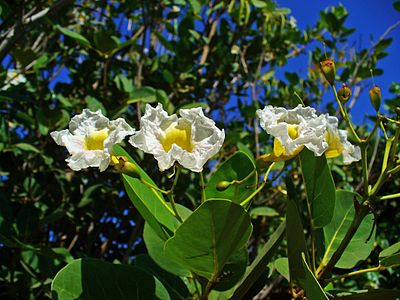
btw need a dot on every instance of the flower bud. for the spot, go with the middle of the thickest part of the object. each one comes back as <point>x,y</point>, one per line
<point>375,97</point>
<point>328,69</point>
<point>223,185</point>
<point>344,93</point>
<point>126,167</point>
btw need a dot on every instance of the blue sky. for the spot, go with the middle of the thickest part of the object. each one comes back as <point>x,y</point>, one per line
<point>371,18</point>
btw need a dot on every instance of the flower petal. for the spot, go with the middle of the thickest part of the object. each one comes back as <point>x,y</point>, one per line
<point>311,128</point>
<point>205,137</point>
<point>89,158</point>
<point>87,122</point>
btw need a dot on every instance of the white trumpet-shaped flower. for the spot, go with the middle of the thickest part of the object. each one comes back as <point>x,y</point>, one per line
<point>190,139</point>
<point>293,130</point>
<point>90,139</point>
<point>338,143</point>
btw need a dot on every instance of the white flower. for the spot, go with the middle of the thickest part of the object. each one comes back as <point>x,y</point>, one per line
<point>90,139</point>
<point>190,140</point>
<point>13,78</point>
<point>338,143</point>
<point>293,130</point>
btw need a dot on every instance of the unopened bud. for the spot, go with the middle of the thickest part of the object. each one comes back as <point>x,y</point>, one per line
<point>344,93</point>
<point>328,69</point>
<point>223,185</point>
<point>126,167</point>
<point>375,97</point>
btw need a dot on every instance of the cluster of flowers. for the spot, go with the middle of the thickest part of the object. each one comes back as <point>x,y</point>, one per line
<point>192,139</point>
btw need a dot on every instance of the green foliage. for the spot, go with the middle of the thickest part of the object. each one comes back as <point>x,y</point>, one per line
<point>360,246</point>
<point>89,278</point>
<point>319,186</point>
<point>295,236</point>
<point>310,283</point>
<point>210,237</point>
<point>240,171</point>
<point>390,257</point>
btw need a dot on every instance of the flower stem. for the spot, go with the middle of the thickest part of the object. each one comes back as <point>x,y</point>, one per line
<point>170,195</point>
<point>387,197</point>
<point>363,271</point>
<point>346,116</point>
<point>247,200</point>
<point>364,161</point>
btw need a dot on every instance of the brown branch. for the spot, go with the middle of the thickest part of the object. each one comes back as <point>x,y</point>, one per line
<point>17,31</point>
<point>368,53</point>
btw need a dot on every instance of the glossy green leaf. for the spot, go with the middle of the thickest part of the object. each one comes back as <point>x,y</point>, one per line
<point>282,266</point>
<point>94,105</point>
<point>155,246</point>
<point>193,105</point>
<point>263,211</point>
<point>86,197</point>
<point>74,35</point>
<point>358,249</point>
<point>319,186</point>
<point>390,257</point>
<point>310,284</point>
<point>208,238</point>
<point>147,200</point>
<point>259,264</point>
<point>27,147</point>
<point>378,294</point>
<point>94,279</point>
<point>172,285</point>
<point>237,167</point>
<point>233,270</point>
<point>296,242</point>
<point>146,94</point>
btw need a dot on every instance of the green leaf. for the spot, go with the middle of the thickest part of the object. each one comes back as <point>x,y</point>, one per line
<point>196,6</point>
<point>390,257</point>
<point>296,242</point>
<point>237,167</point>
<point>174,287</point>
<point>145,94</point>
<point>259,3</point>
<point>258,266</point>
<point>208,238</point>
<point>86,197</point>
<point>233,270</point>
<point>263,211</point>
<point>148,201</point>
<point>90,278</point>
<point>94,105</point>
<point>310,284</point>
<point>155,246</point>
<point>335,231</point>
<point>27,147</point>
<point>193,105</point>
<point>319,186</point>
<point>378,294</point>
<point>124,84</point>
<point>74,35</point>
<point>282,266</point>
<point>105,42</point>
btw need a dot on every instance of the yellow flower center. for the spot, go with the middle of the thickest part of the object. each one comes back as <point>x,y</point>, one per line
<point>293,131</point>
<point>335,148</point>
<point>95,141</point>
<point>179,134</point>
